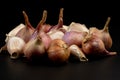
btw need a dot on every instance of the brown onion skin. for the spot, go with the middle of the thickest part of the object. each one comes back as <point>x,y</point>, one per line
<point>58,51</point>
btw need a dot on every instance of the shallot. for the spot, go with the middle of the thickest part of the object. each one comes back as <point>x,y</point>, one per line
<point>103,34</point>
<point>38,41</point>
<point>58,51</point>
<point>58,42</point>
<point>93,45</point>
<point>26,32</point>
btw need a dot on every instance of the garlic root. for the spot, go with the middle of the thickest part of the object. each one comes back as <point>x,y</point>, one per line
<point>3,48</point>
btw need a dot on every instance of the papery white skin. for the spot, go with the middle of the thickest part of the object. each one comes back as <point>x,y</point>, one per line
<point>14,31</point>
<point>78,27</point>
<point>65,27</point>
<point>15,45</point>
<point>56,34</point>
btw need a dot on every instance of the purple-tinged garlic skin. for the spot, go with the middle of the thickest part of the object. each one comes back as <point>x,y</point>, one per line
<point>74,37</point>
<point>103,34</point>
<point>36,46</point>
<point>93,45</point>
<point>46,39</point>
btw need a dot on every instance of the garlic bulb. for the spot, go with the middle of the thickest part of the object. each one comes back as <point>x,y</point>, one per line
<point>103,34</point>
<point>35,47</point>
<point>13,32</point>
<point>15,46</point>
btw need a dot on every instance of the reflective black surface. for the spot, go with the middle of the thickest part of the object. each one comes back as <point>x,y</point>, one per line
<point>92,14</point>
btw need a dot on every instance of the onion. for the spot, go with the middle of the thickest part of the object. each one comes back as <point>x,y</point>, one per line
<point>58,51</point>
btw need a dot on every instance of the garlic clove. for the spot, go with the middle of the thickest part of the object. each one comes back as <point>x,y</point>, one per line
<point>77,52</point>
<point>15,47</point>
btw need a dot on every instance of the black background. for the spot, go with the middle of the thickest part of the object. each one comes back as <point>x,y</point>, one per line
<point>86,12</point>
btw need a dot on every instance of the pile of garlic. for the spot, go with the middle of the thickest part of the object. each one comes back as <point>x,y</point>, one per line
<point>57,41</point>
